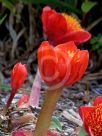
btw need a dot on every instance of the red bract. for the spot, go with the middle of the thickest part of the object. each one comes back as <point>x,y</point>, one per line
<point>92,117</point>
<point>24,99</point>
<point>23,132</point>
<point>51,133</point>
<point>19,74</point>
<point>20,132</point>
<point>62,65</point>
<point>60,28</point>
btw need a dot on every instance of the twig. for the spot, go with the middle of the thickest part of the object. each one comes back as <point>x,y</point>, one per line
<point>15,37</point>
<point>74,113</point>
<point>96,22</point>
<point>33,35</point>
<point>15,41</point>
<point>72,118</point>
<point>20,58</point>
<point>31,27</point>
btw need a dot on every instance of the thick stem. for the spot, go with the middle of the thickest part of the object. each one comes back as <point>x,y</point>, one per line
<point>8,102</point>
<point>45,116</point>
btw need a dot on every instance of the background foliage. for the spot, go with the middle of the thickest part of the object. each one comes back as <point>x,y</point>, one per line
<point>21,27</point>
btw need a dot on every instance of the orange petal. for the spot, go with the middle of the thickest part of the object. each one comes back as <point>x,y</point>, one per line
<point>72,23</point>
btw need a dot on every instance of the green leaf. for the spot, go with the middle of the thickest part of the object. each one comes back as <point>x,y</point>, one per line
<point>2,19</point>
<point>94,40</point>
<point>8,4</point>
<point>5,87</point>
<point>87,6</point>
<point>54,3</point>
<point>82,132</point>
<point>55,124</point>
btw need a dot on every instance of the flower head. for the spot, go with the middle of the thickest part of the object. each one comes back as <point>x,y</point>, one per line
<point>92,117</point>
<point>60,28</point>
<point>62,65</point>
<point>19,74</point>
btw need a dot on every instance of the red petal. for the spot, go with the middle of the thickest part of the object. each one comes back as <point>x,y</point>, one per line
<point>18,75</point>
<point>82,63</point>
<point>79,64</point>
<point>74,69</point>
<point>54,24</point>
<point>71,49</point>
<point>67,47</point>
<point>84,112</point>
<point>47,11</point>
<point>77,36</point>
<point>63,66</point>
<point>98,101</point>
<point>47,62</point>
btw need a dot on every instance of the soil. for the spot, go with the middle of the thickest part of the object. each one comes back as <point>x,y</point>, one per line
<point>81,93</point>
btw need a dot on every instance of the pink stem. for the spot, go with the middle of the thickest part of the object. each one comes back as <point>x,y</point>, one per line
<point>35,92</point>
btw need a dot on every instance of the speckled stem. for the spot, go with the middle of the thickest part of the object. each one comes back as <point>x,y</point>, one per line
<point>45,116</point>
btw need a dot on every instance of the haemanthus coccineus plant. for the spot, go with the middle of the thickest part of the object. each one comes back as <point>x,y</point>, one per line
<point>59,66</point>
<point>18,75</point>
<point>60,27</point>
<point>92,117</point>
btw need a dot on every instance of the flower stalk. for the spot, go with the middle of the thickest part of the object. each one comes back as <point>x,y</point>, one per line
<point>8,103</point>
<point>45,116</point>
<point>18,75</point>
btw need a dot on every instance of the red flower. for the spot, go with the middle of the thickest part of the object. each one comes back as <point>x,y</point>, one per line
<point>60,28</point>
<point>62,65</point>
<point>92,117</point>
<point>19,74</point>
